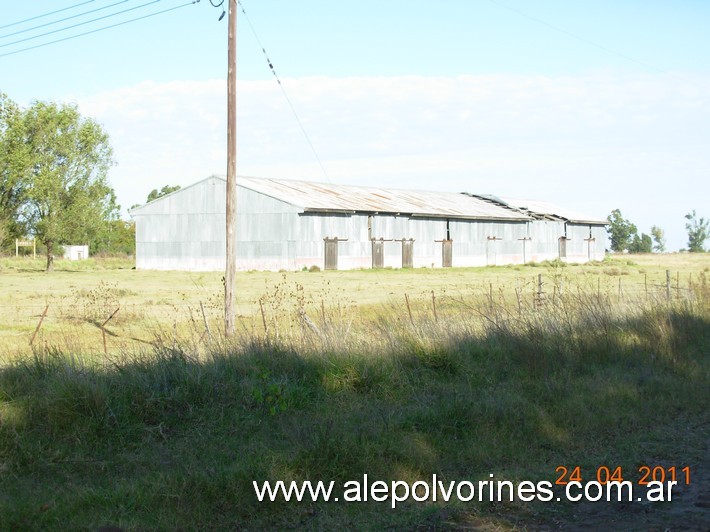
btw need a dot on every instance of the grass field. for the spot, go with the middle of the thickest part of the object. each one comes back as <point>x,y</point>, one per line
<point>80,296</point>
<point>395,374</point>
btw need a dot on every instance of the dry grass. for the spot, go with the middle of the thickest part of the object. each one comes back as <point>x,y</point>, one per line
<point>270,303</point>
<point>337,374</point>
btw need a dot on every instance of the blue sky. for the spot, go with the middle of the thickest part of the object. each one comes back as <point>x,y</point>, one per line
<point>595,105</point>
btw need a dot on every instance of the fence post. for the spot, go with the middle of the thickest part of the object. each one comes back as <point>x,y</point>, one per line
<point>204,318</point>
<point>619,288</point>
<point>103,331</point>
<point>520,302</point>
<point>41,319</point>
<point>433,304</point>
<point>539,295</point>
<point>409,308</point>
<point>668,285</point>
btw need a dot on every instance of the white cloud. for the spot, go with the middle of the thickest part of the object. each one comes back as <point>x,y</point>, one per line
<point>594,143</point>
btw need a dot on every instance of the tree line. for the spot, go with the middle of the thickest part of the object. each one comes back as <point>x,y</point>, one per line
<point>53,181</point>
<point>624,236</point>
<point>54,188</point>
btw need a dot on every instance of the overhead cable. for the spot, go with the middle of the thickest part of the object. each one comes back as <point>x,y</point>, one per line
<point>283,90</point>
<point>577,37</point>
<point>45,14</point>
<point>79,24</point>
<point>62,19</point>
<point>101,29</point>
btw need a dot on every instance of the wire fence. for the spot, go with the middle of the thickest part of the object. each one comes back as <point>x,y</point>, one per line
<point>107,323</point>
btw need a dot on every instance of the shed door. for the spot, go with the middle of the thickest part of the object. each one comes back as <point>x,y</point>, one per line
<point>446,253</point>
<point>331,253</point>
<point>408,253</point>
<point>378,254</point>
<point>563,247</point>
<point>492,251</point>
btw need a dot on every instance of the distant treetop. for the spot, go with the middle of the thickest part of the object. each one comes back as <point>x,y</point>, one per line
<point>167,189</point>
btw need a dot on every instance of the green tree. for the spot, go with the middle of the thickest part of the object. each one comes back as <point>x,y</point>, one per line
<point>117,237</point>
<point>641,244</point>
<point>13,162</point>
<point>167,189</point>
<point>659,239</point>
<point>698,232</point>
<point>620,231</point>
<point>68,196</point>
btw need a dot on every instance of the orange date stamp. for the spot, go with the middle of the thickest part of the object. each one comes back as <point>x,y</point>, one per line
<point>643,475</point>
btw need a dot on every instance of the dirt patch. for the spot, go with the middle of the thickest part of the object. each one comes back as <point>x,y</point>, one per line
<point>688,510</point>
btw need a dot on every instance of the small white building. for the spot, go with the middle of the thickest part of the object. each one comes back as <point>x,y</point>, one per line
<point>76,252</point>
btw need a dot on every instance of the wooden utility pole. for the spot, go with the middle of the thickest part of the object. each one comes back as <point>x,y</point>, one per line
<point>231,232</point>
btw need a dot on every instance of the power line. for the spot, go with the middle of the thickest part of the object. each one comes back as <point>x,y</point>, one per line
<point>45,15</point>
<point>283,90</point>
<point>577,37</point>
<point>597,45</point>
<point>288,100</point>
<point>62,19</point>
<point>79,24</point>
<point>101,29</point>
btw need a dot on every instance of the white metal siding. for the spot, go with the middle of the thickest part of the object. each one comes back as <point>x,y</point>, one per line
<point>186,231</point>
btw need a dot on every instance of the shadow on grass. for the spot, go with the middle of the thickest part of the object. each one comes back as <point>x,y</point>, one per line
<point>169,439</point>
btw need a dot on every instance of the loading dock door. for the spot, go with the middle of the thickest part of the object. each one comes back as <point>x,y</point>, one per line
<point>378,253</point>
<point>408,253</point>
<point>447,253</point>
<point>525,240</point>
<point>563,247</point>
<point>492,250</point>
<point>331,253</point>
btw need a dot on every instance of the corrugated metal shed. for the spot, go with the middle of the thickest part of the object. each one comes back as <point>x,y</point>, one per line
<point>284,224</point>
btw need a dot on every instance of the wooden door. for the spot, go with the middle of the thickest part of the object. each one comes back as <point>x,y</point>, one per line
<point>408,253</point>
<point>563,247</point>
<point>331,253</point>
<point>378,254</point>
<point>447,253</point>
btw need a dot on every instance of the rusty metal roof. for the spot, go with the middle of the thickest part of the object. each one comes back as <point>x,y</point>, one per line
<point>320,197</point>
<point>544,209</point>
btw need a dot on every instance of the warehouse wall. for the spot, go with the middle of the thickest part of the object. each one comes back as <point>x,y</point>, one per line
<point>186,231</point>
